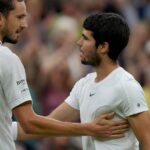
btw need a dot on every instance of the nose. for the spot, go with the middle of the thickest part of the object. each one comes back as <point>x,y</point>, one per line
<point>24,23</point>
<point>79,42</point>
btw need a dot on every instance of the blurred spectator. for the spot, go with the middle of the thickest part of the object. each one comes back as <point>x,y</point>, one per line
<point>58,143</point>
<point>58,86</point>
<point>134,57</point>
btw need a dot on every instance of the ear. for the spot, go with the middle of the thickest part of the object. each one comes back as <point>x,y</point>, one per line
<point>103,48</point>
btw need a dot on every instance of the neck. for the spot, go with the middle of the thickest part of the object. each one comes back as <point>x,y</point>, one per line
<point>104,69</point>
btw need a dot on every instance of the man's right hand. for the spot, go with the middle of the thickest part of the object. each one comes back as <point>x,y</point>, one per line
<point>105,127</point>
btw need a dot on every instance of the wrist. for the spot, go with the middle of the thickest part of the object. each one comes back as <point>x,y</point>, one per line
<point>84,129</point>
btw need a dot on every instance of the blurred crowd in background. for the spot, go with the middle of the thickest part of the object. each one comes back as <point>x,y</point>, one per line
<point>51,59</point>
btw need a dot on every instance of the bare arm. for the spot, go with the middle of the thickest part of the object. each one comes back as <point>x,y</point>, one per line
<point>35,124</point>
<point>64,112</point>
<point>140,123</point>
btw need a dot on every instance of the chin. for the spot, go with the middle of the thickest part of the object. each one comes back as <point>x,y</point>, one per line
<point>12,41</point>
<point>84,62</point>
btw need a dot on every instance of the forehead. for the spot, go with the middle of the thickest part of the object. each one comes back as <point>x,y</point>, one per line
<point>19,8</point>
<point>87,32</point>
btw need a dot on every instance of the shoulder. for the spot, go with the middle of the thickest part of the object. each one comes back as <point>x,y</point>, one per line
<point>129,85</point>
<point>128,81</point>
<point>87,78</point>
<point>7,56</point>
<point>10,64</point>
<point>125,83</point>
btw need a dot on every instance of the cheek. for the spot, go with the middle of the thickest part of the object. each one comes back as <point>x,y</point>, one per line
<point>88,46</point>
<point>90,49</point>
<point>10,31</point>
<point>12,24</point>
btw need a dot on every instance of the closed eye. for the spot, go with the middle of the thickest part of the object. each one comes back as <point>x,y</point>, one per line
<point>21,16</point>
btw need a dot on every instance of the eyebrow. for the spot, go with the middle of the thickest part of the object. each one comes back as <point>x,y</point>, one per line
<point>84,36</point>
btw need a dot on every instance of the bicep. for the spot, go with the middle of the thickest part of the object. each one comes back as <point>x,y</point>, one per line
<point>65,112</point>
<point>140,124</point>
<point>23,112</point>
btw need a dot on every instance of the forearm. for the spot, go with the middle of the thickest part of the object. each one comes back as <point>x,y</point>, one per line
<point>46,126</point>
<point>22,135</point>
<point>38,131</point>
<point>40,125</point>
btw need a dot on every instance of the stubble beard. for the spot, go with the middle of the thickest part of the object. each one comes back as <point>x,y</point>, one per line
<point>8,39</point>
<point>94,60</point>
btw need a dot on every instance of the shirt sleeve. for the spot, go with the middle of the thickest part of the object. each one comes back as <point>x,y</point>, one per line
<point>134,101</point>
<point>14,82</point>
<point>73,98</point>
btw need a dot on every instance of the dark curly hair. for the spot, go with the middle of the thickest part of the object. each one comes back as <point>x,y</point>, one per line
<point>111,28</point>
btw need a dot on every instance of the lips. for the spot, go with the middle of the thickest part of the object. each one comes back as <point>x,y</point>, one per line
<point>19,31</point>
<point>81,53</point>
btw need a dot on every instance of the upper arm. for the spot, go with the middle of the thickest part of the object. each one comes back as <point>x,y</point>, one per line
<point>133,100</point>
<point>13,81</point>
<point>23,113</point>
<point>140,123</point>
<point>65,112</point>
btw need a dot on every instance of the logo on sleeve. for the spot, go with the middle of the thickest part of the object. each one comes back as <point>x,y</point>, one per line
<point>20,82</point>
<point>92,94</point>
<point>138,104</point>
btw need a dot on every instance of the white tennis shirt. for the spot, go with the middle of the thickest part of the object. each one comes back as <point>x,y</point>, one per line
<point>118,92</point>
<point>13,92</point>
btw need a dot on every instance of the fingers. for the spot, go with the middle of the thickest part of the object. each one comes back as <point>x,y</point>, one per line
<point>108,116</point>
<point>105,118</point>
<point>111,131</point>
<point>112,134</point>
<point>121,131</point>
<point>120,126</point>
<point>122,122</point>
<point>115,136</point>
<point>117,131</point>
